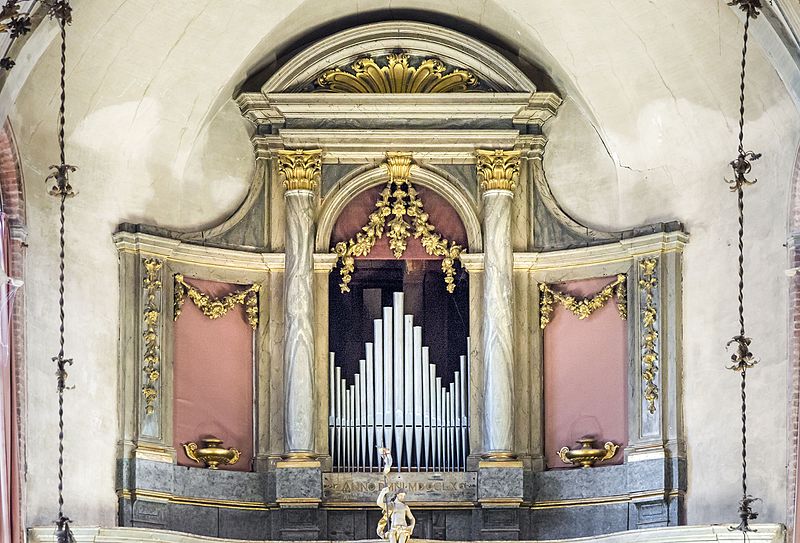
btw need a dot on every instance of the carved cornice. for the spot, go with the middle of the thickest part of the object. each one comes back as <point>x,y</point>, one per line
<point>300,168</point>
<point>397,75</point>
<point>498,169</point>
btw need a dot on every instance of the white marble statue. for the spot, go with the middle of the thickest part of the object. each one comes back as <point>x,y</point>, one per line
<point>397,523</point>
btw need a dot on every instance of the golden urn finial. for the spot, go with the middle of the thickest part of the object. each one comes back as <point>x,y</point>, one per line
<point>300,168</point>
<point>586,455</point>
<point>498,169</point>
<point>212,453</point>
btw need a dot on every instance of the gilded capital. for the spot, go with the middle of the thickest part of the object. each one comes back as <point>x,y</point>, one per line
<point>300,168</point>
<point>399,166</point>
<point>498,169</point>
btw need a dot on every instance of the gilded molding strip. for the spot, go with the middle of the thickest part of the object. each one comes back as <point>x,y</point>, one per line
<point>153,495</point>
<point>583,308</point>
<point>396,76</point>
<point>214,308</point>
<point>400,200</point>
<point>152,355</point>
<point>647,285</point>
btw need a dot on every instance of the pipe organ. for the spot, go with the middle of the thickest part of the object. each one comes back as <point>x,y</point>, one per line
<point>399,399</point>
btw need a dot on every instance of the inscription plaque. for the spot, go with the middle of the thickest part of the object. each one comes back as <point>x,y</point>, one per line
<point>419,487</point>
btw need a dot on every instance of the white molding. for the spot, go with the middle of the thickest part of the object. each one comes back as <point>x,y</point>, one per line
<point>454,48</point>
<point>610,253</point>
<point>187,253</point>
<point>357,146</point>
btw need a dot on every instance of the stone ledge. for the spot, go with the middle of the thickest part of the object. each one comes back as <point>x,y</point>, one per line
<point>772,533</point>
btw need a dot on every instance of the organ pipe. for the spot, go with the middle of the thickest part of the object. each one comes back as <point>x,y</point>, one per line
<point>398,399</point>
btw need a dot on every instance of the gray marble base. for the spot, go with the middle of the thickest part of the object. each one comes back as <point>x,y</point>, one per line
<point>500,502</point>
<point>294,483</point>
<point>500,483</point>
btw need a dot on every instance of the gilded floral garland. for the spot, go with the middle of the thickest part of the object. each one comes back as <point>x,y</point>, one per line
<point>400,200</point>
<point>582,308</point>
<point>647,284</point>
<point>214,308</point>
<point>152,286</point>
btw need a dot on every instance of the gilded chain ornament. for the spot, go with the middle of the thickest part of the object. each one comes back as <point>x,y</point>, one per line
<point>648,282</point>
<point>397,75</point>
<point>214,308</point>
<point>400,200</point>
<point>300,168</point>
<point>585,307</point>
<point>152,356</point>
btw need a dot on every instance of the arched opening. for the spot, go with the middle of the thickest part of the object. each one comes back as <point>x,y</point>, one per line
<point>427,348</point>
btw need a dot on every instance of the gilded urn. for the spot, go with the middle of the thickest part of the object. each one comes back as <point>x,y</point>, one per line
<point>587,455</point>
<point>212,453</point>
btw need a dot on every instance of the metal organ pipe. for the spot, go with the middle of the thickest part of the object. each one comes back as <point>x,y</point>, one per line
<point>398,400</point>
<point>417,376</point>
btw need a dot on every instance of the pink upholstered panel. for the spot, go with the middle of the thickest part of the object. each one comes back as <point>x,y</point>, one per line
<point>441,215</point>
<point>213,377</point>
<point>585,375</point>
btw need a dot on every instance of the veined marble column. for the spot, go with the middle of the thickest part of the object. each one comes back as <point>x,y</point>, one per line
<point>301,171</point>
<point>497,173</point>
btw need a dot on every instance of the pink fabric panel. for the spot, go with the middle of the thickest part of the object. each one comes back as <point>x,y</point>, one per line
<point>585,375</point>
<point>213,377</point>
<point>441,215</point>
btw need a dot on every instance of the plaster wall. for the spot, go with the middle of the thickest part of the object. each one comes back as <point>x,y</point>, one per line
<point>645,135</point>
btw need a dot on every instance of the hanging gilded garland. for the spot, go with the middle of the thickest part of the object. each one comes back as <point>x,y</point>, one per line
<point>214,308</point>
<point>400,200</point>
<point>583,308</point>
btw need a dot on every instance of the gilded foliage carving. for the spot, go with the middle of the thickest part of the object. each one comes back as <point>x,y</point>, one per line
<point>400,200</point>
<point>300,168</point>
<point>583,308</point>
<point>214,308</point>
<point>498,169</point>
<point>647,284</point>
<point>398,75</point>
<point>152,356</point>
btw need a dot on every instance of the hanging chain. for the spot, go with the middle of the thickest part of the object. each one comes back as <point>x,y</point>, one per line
<point>62,11</point>
<point>743,359</point>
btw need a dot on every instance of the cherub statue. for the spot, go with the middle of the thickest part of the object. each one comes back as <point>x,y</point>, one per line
<point>394,524</point>
<point>400,520</point>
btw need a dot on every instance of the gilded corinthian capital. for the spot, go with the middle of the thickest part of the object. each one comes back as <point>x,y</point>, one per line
<point>498,169</point>
<point>300,168</point>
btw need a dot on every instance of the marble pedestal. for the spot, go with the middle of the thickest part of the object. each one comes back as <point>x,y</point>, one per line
<point>500,493</point>
<point>298,493</point>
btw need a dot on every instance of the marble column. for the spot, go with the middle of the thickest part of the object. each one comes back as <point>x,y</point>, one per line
<point>300,170</point>
<point>497,173</point>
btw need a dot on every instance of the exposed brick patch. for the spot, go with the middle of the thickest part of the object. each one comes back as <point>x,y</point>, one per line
<point>793,424</point>
<point>12,202</point>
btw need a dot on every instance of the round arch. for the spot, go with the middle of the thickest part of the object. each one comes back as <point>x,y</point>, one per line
<point>423,39</point>
<point>453,192</point>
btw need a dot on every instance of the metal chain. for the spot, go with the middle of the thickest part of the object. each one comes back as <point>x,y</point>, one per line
<point>61,10</point>
<point>743,359</point>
